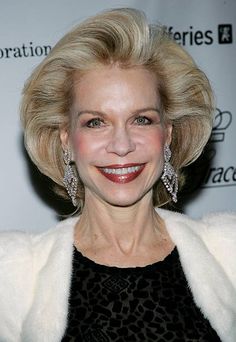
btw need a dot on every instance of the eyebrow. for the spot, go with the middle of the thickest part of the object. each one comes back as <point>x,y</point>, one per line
<point>138,111</point>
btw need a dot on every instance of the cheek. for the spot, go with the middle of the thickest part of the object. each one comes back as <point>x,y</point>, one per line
<point>154,140</point>
<point>84,146</point>
<point>158,139</point>
<point>79,145</point>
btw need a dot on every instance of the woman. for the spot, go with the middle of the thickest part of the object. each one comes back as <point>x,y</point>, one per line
<point>112,116</point>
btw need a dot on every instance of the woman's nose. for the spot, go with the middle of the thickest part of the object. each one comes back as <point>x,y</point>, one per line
<point>121,142</point>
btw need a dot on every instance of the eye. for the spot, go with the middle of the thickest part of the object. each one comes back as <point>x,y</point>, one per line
<point>95,123</point>
<point>143,121</point>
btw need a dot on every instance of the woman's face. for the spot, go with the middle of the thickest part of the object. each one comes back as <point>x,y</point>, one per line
<point>117,136</point>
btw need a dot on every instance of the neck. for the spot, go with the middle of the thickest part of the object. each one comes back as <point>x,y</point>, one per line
<point>124,229</point>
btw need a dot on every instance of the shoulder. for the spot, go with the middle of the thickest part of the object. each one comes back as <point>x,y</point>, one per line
<point>209,240</point>
<point>222,220</point>
<point>27,253</point>
<point>15,254</point>
<point>19,246</point>
<point>12,241</point>
<point>214,234</point>
<point>213,225</point>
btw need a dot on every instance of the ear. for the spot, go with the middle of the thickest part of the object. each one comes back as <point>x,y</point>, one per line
<point>64,137</point>
<point>168,138</point>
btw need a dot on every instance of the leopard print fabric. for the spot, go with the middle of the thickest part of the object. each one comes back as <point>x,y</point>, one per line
<point>151,303</point>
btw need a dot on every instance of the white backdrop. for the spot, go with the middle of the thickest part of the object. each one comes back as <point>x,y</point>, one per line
<point>27,28</point>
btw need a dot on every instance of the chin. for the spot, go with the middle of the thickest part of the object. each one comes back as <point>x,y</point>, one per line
<point>121,204</point>
<point>123,199</point>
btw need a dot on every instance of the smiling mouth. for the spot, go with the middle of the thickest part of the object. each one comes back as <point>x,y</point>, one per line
<point>122,173</point>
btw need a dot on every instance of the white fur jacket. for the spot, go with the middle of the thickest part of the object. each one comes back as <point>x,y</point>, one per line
<point>35,273</point>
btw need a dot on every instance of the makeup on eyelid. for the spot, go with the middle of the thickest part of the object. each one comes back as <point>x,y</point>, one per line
<point>139,119</point>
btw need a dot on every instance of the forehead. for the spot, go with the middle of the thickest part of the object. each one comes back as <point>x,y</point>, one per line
<point>115,68</point>
<point>113,83</point>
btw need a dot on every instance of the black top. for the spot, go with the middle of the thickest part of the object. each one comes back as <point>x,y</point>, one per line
<point>151,303</point>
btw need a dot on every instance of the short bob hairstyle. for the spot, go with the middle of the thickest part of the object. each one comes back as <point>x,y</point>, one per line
<point>120,36</point>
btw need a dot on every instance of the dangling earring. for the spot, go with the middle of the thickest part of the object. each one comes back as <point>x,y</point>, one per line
<point>70,180</point>
<point>169,176</point>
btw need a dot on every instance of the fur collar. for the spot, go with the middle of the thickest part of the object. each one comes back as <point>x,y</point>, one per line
<point>207,253</point>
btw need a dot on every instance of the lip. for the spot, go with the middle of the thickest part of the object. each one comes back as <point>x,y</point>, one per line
<point>122,178</point>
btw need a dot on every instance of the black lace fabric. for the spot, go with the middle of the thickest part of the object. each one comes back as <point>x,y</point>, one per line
<point>151,303</point>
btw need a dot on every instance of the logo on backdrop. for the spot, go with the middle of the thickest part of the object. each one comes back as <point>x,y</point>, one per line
<point>24,51</point>
<point>223,34</point>
<point>220,176</point>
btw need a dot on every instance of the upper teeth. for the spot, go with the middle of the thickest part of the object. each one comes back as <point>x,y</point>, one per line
<point>122,171</point>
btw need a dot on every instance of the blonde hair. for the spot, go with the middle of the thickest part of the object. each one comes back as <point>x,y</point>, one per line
<point>120,36</point>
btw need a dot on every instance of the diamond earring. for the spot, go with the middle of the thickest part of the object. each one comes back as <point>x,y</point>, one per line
<point>70,180</point>
<point>169,176</point>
